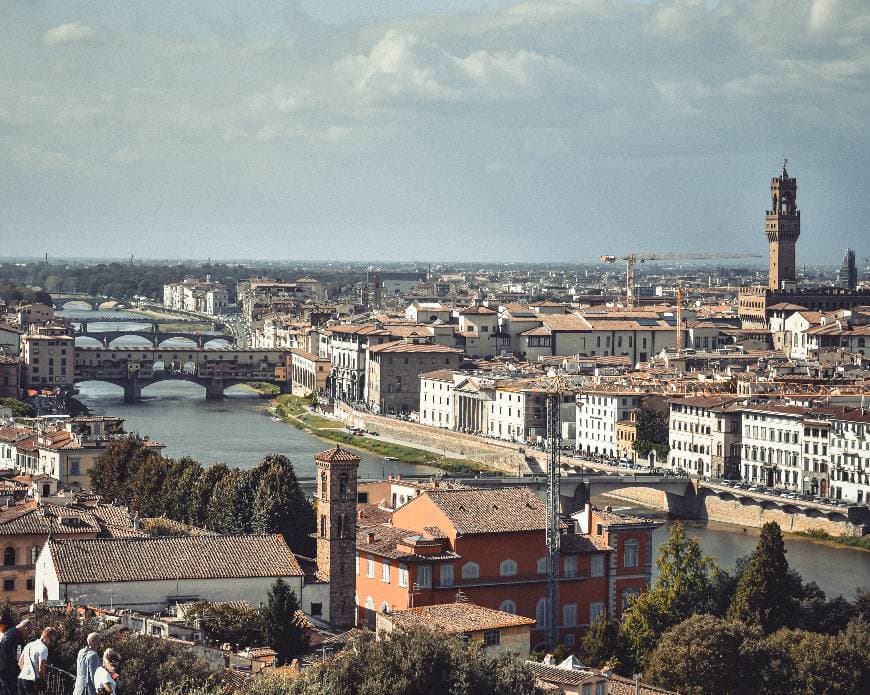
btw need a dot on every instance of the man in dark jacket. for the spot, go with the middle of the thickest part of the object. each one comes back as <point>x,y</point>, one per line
<point>14,639</point>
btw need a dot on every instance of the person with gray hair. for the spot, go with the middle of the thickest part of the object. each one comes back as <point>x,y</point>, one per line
<point>87,663</point>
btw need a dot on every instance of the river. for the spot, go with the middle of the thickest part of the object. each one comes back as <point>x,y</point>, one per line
<point>239,432</point>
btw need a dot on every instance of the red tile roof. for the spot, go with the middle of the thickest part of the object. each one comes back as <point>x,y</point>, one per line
<point>455,618</point>
<point>337,454</point>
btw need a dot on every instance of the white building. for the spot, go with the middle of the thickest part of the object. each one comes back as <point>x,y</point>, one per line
<point>202,296</point>
<point>771,444</point>
<point>705,436</point>
<point>850,456</point>
<point>436,399</point>
<point>597,415</point>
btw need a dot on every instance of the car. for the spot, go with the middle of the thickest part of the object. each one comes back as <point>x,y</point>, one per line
<point>754,488</point>
<point>842,503</point>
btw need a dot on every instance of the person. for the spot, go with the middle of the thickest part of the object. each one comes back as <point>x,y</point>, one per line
<point>87,663</point>
<point>32,662</point>
<point>13,641</point>
<point>105,679</point>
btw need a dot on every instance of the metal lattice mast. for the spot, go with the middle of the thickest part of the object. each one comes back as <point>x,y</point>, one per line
<point>554,397</point>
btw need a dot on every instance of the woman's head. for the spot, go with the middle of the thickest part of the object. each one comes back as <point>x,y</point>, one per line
<point>111,660</point>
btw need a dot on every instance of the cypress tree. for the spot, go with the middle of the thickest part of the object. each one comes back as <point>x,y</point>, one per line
<point>765,592</point>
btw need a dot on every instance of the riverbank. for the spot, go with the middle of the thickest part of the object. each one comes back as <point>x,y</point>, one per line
<point>262,388</point>
<point>296,411</point>
<point>858,543</point>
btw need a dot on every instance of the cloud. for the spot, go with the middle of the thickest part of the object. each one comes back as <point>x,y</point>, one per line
<point>71,32</point>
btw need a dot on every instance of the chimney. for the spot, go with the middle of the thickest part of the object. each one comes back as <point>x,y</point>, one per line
<point>371,537</point>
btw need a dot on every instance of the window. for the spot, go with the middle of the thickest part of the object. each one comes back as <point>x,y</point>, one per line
<point>508,568</point>
<point>9,584</point>
<point>403,575</point>
<point>9,557</point>
<point>370,567</point>
<point>569,615</point>
<point>542,614</point>
<point>356,563</point>
<point>587,690</point>
<point>342,486</point>
<point>492,638</point>
<point>508,606</point>
<point>470,570</point>
<point>628,595</point>
<point>597,566</point>
<point>424,576</point>
<point>571,566</point>
<point>156,630</point>
<point>569,640</point>
<point>323,525</point>
<point>385,572</point>
<point>316,609</point>
<point>630,553</point>
<point>596,609</point>
<point>74,466</point>
<point>543,564</point>
<point>446,575</point>
<point>601,689</point>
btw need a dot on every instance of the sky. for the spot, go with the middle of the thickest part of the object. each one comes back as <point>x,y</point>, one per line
<point>548,130</point>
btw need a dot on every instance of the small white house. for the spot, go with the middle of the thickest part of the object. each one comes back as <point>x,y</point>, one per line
<point>148,574</point>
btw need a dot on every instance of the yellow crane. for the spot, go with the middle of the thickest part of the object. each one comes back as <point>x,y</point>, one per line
<point>632,258</point>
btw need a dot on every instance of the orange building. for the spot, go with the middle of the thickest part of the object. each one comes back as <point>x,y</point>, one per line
<point>488,546</point>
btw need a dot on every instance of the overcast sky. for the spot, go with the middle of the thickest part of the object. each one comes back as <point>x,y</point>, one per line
<point>431,130</point>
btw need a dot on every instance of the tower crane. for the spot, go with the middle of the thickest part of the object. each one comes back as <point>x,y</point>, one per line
<point>632,258</point>
<point>554,386</point>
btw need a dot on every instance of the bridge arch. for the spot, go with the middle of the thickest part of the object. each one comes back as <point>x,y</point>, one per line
<point>74,304</point>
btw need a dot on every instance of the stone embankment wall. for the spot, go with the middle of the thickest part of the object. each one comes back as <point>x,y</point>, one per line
<point>706,505</point>
<point>502,456</point>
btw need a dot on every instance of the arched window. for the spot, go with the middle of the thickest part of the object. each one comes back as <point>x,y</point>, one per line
<point>470,570</point>
<point>9,557</point>
<point>543,565</point>
<point>508,568</point>
<point>323,494</point>
<point>341,525</point>
<point>385,607</point>
<point>508,606</point>
<point>370,611</point>
<point>542,614</point>
<point>342,486</point>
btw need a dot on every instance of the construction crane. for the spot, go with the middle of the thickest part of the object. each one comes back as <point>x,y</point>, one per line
<point>555,386</point>
<point>632,258</point>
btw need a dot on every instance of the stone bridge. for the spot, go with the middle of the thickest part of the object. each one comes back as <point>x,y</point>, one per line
<point>59,300</point>
<point>200,338</point>
<point>216,369</point>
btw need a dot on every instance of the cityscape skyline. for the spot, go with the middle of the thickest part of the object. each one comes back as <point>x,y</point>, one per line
<point>494,129</point>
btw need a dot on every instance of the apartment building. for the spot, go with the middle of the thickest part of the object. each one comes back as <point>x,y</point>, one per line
<point>490,546</point>
<point>392,382</point>
<point>705,436</point>
<point>49,360</point>
<point>849,454</point>
<point>200,295</point>
<point>436,398</point>
<point>598,412</point>
<point>771,445</point>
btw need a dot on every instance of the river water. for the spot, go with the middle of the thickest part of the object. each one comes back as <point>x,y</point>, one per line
<point>239,432</point>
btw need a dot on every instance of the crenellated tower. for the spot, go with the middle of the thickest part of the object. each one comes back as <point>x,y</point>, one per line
<point>782,224</point>
<point>336,530</point>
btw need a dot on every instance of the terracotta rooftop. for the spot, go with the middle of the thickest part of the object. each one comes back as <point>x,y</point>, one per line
<point>478,310</point>
<point>402,346</point>
<point>186,557</point>
<point>478,511</point>
<point>456,618</point>
<point>337,454</point>
<point>439,375</point>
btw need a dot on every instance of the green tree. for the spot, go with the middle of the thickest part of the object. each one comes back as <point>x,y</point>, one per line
<point>283,629</point>
<point>416,662</point>
<point>683,587</point>
<point>280,505</point>
<point>149,665</point>
<point>114,469</point>
<point>178,488</point>
<point>147,486</point>
<point>652,432</point>
<point>18,408</point>
<point>203,489</point>
<point>600,644</point>
<point>703,656</point>
<point>240,626</point>
<point>765,593</point>
<point>231,504</point>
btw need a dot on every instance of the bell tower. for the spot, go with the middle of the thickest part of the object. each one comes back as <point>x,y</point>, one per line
<point>336,530</point>
<point>782,225</point>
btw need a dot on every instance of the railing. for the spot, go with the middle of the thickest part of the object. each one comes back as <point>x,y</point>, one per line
<point>58,681</point>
